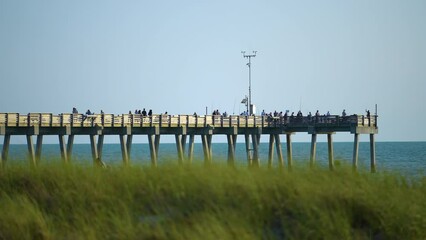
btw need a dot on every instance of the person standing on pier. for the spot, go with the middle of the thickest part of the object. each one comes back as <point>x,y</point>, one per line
<point>368,117</point>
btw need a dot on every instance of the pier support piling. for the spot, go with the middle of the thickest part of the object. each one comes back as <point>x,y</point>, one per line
<point>31,152</point>
<point>255,139</point>
<point>152,140</point>
<point>124,148</point>
<point>39,145</point>
<point>289,151</point>
<point>248,150</point>
<point>330,151</point>
<point>191,148</point>
<point>279,151</point>
<point>129,142</point>
<point>183,140</point>
<point>94,148</point>
<point>179,148</point>
<point>355,153</point>
<point>97,149</point>
<point>206,140</point>
<point>63,148</point>
<point>70,145</point>
<point>231,149</point>
<point>313,149</point>
<point>372,153</point>
<point>5,150</point>
<point>100,146</point>
<point>271,150</point>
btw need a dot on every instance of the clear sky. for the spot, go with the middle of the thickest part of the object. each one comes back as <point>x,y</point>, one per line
<point>183,56</point>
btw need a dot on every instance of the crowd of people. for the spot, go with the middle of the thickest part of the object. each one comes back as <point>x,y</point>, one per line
<point>270,115</point>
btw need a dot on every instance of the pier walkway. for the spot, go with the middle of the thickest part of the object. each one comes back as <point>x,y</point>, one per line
<point>183,126</point>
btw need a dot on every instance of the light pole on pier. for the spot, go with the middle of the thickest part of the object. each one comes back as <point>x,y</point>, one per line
<point>249,56</point>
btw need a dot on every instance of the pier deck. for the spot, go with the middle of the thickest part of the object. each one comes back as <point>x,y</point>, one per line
<point>127,125</point>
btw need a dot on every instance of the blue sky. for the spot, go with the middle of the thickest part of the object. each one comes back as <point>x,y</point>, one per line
<point>184,56</point>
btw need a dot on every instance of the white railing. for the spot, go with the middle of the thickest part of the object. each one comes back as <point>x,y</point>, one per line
<point>137,120</point>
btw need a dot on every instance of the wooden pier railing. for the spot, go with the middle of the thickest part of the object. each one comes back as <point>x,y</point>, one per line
<point>137,120</point>
<point>127,125</point>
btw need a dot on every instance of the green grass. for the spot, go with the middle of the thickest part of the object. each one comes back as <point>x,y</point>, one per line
<point>56,201</point>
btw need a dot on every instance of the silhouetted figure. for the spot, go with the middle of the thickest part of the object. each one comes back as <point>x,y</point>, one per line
<point>317,115</point>
<point>150,113</point>
<point>368,116</point>
<point>344,113</point>
<point>74,110</point>
<point>143,112</point>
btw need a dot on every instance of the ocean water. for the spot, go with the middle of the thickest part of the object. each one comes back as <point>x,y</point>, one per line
<point>408,158</point>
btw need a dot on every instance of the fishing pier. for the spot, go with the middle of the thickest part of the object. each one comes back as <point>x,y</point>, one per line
<point>125,126</point>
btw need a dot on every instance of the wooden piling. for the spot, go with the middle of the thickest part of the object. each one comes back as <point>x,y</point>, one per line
<point>255,140</point>
<point>289,151</point>
<point>271,150</point>
<point>210,149</point>
<point>95,156</point>
<point>183,140</point>
<point>152,149</point>
<point>178,138</point>
<point>313,149</point>
<point>355,153</point>
<point>5,150</point>
<point>248,150</point>
<point>191,148</point>
<point>206,150</point>
<point>31,152</point>
<point>157,144</point>
<point>372,153</point>
<point>39,145</point>
<point>129,142</point>
<point>70,145</point>
<point>231,149</point>
<point>63,148</point>
<point>279,151</point>
<point>124,153</point>
<point>330,151</point>
<point>100,147</point>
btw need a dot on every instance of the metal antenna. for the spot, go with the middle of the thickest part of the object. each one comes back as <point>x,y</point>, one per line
<point>249,56</point>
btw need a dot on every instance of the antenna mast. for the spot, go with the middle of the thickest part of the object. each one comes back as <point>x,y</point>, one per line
<point>249,56</point>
